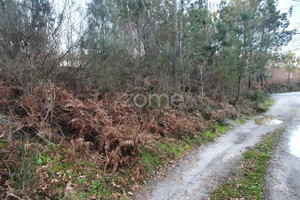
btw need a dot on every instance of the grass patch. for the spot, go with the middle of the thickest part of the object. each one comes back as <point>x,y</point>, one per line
<point>267,104</point>
<point>249,182</point>
<point>164,151</point>
<point>209,135</point>
<point>221,129</point>
<point>175,149</point>
<point>241,119</point>
<point>89,179</point>
<point>150,159</point>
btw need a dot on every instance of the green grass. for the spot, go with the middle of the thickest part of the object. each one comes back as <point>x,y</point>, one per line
<point>221,129</point>
<point>240,120</point>
<point>267,104</point>
<point>249,182</point>
<point>209,135</point>
<point>149,159</point>
<point>175,149</point>
<point>165,151</point>
<point>263,107</point>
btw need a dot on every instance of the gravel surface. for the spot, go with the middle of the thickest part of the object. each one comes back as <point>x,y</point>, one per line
<point>202,170</point>
<point>283,176</point>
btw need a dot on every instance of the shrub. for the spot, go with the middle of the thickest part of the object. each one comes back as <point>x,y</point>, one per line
<point>257,96</point>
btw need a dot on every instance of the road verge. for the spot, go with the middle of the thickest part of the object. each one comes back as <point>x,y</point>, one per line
<point>248,182</point>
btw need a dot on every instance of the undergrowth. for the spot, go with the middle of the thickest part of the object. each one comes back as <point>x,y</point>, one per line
<point>249,183</point>
<point>60,173</point>
<point>87,148</point>
<point>257,96</point>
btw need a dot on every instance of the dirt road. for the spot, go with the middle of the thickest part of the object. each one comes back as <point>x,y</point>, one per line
<point>283,176</point>
<point>201,171</point>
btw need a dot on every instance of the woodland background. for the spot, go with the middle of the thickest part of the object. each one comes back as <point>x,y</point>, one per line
<point>120,45</point>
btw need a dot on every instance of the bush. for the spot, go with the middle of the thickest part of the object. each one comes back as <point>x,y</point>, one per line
<point>257,96</point>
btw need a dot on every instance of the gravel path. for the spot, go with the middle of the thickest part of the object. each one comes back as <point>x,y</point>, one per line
<point>283,176</point>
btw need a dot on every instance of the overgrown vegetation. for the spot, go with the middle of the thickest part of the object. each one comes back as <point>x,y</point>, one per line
<point>99,137</point>
<point>248,182</point>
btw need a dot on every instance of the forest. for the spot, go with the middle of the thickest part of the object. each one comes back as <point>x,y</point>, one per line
<point>74,120</point>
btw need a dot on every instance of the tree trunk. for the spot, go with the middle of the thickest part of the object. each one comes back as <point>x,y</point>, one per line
<point>289,75</point>
<point>239,88</point>
<point>181,28</point>
<point>250,83</point>
<point>201,79</point>
<point>176,42</point>
<point>3,6</point>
